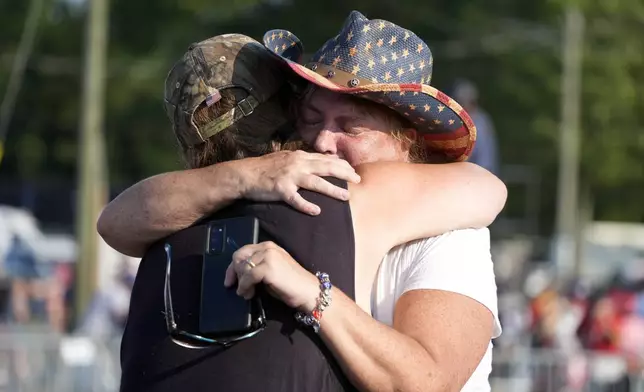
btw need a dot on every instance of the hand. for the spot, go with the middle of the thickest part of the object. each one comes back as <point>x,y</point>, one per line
<point>283,277</point>
<point>278,176</point>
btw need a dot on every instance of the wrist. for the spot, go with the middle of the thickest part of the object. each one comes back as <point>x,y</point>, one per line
<point>241,174</point>
<point>311,314</point>
<point>234,185</point>
<point>312,295</point>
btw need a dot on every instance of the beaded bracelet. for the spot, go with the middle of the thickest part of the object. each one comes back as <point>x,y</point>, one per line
<point>323,302</point>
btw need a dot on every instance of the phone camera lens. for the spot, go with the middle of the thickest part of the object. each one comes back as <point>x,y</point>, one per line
<point>217,240</point>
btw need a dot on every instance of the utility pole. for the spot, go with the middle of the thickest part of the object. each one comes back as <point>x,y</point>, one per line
<point>92,181</point>
<point>29,33</point>
<point>567,247</point>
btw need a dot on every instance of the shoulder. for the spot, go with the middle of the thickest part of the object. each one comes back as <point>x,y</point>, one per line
<point>474,243</point>
<point>458,261</point>
<point>448,260</point>
<point>455,254</point>
<point>466,245</point>
<point>468,242</point>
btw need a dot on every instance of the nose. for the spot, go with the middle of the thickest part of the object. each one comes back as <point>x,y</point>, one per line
<point>325,143</point>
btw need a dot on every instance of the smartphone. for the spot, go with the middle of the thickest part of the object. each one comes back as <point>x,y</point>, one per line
<point>223,312</point>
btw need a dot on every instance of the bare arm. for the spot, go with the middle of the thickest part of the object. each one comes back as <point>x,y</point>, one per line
<point>166,203</point>
<point>163,204</point>
<point>422,200</point>
<point>437,341</point>
<point>442,324</point>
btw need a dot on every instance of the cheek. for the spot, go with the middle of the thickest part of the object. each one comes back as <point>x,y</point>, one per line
<point>357,150</point>
<point>380,148</point>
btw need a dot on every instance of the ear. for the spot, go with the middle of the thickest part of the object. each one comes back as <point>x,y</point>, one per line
<point>409,138</point>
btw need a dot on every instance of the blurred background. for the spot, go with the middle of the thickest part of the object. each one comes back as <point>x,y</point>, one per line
<point>552,87</point>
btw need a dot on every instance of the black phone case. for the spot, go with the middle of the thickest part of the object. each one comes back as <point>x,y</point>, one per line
<point>223,312</point>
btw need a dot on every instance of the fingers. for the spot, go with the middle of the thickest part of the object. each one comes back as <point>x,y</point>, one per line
<point>323,165</point>
<point>231,275</point>
<point>249,279</point>
<point>326,165</point>
<point>241,271</point>
<point>320,185</point>
<point>286,172</point>
<point>247,251</point>
<point>318,167</point>
<point>240,255</point>
<point>250,274</point>
<point>296,201</point>
<point>316,184</point>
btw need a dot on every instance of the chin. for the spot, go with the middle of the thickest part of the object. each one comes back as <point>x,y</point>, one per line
<point>358,162</point>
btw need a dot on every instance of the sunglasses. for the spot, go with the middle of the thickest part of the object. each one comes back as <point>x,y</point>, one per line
<point>188,339</point>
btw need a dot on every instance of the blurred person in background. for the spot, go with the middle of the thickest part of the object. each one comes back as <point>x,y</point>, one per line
<point>35,290</point>
<point>632,339</point>
<point>614,328</point>
<point>20,264</point>
<point>485,152</point>
<point>560,360</point>
<point>466,341</point>
<point>35,298</point>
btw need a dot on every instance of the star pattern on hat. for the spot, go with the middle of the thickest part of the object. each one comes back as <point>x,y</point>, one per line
<point>388,64</point>
<point>382,51</point>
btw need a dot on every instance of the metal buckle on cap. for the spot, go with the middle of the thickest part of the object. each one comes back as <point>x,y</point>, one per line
<point>246,107</point>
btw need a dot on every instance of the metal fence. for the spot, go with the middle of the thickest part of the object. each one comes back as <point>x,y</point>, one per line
<point>32,361</point>
<point>529,370</point>
<point>44,362</point>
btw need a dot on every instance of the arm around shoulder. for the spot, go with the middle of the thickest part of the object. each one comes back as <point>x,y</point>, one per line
<point>425,200</point>
<point>163,204</point>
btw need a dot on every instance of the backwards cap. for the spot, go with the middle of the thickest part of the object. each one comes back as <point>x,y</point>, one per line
<point>210,66</point>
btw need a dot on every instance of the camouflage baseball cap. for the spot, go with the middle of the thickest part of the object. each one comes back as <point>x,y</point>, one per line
<point>210,66</point>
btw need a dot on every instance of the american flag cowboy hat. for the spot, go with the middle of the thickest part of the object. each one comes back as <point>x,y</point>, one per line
<point>385,63</point>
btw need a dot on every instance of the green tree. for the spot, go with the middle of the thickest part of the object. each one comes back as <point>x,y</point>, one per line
<point>510,49</point>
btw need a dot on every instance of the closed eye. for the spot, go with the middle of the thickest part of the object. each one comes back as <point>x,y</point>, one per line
<point>309,122</point>
<point>353,131</point>
<point>352,126</point>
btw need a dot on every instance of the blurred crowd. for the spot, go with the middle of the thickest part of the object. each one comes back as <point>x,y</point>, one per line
<point>37,272</point>
<point>578,335</point>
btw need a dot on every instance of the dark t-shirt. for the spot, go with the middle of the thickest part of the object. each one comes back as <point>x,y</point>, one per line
<point>283,357</point>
